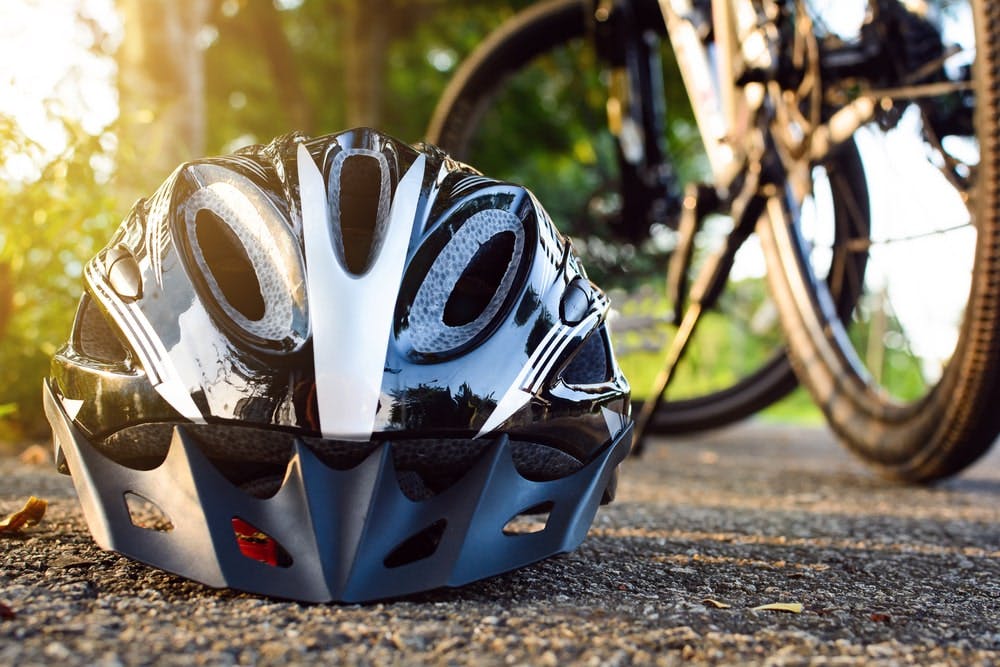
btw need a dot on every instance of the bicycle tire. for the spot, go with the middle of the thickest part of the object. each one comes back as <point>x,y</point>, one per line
<point>529,34</point>
<point>956,420</point>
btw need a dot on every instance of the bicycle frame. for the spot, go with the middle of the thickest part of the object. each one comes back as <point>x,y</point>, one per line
<point>714,102</point>
<point>727,82</point>
<point>758,100</point>
<point>723,105</point>
<point>778,89</point>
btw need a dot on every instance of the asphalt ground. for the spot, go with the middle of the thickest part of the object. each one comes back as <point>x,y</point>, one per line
<point>705,529</point>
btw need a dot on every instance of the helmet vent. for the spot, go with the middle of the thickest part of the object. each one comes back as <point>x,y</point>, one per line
<point>243,257</point>
<point>468,282</point>
<point>418,546</point>
<point>227,260</point>
<point>360,195</point>
<point>590,364</point>
<point>144,513</point>
<point>255,459</point>
<point>94,336</point>
<point>257,545</point>
<point>532,520</point>
<point>480,281</point>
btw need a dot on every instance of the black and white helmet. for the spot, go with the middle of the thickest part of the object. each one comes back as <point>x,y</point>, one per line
<point>338,369</point>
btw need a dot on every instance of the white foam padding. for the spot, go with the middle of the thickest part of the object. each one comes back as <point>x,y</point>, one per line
<point>267,242</point>
<point>429,333</point>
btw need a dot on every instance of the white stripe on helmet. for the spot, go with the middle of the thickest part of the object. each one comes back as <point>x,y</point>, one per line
<point>351,316</point>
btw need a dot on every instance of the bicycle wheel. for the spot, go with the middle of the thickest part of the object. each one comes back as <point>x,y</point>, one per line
<point>910,382</point>
<point>537,77</point>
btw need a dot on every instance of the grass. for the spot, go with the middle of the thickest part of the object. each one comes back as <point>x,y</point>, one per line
<point>726,346</point>
<point>796,408</point>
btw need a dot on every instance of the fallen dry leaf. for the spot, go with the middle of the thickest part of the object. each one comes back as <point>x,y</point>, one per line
<point>71,562</point>
<point>29,515</point>
<point>791,607</point>
<point>880,617</point>
<point>715,603</point>
<point>35,455</point>
<point>6,613</point>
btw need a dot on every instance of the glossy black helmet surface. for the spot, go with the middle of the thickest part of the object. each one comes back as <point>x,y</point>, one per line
<point>338,369</point>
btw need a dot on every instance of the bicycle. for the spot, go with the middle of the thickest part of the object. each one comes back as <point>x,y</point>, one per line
<point>648,194</point>
<point>782,99</point>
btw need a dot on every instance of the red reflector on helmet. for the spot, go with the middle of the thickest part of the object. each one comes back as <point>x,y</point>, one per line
<point>255,544</point>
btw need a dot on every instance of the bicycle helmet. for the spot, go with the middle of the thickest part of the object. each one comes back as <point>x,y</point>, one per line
<point>339,368</point>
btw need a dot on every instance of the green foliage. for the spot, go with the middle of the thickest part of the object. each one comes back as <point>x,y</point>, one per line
<point>425,41</point>
<point>725,347</point>
<point>730,342</point>
<point>48,227</point>
<point>420,65</point>
<point>887,358</point>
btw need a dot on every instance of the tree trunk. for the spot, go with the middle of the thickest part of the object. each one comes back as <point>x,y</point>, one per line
<point>6,297</point>
<point>161,90</point>
<point>281,59</point>
<point>366,38</point>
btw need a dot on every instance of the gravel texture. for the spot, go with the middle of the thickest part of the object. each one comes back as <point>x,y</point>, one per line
<point>748,516</point>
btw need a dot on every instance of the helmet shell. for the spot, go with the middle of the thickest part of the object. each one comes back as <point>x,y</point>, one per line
<point>347,300</point>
